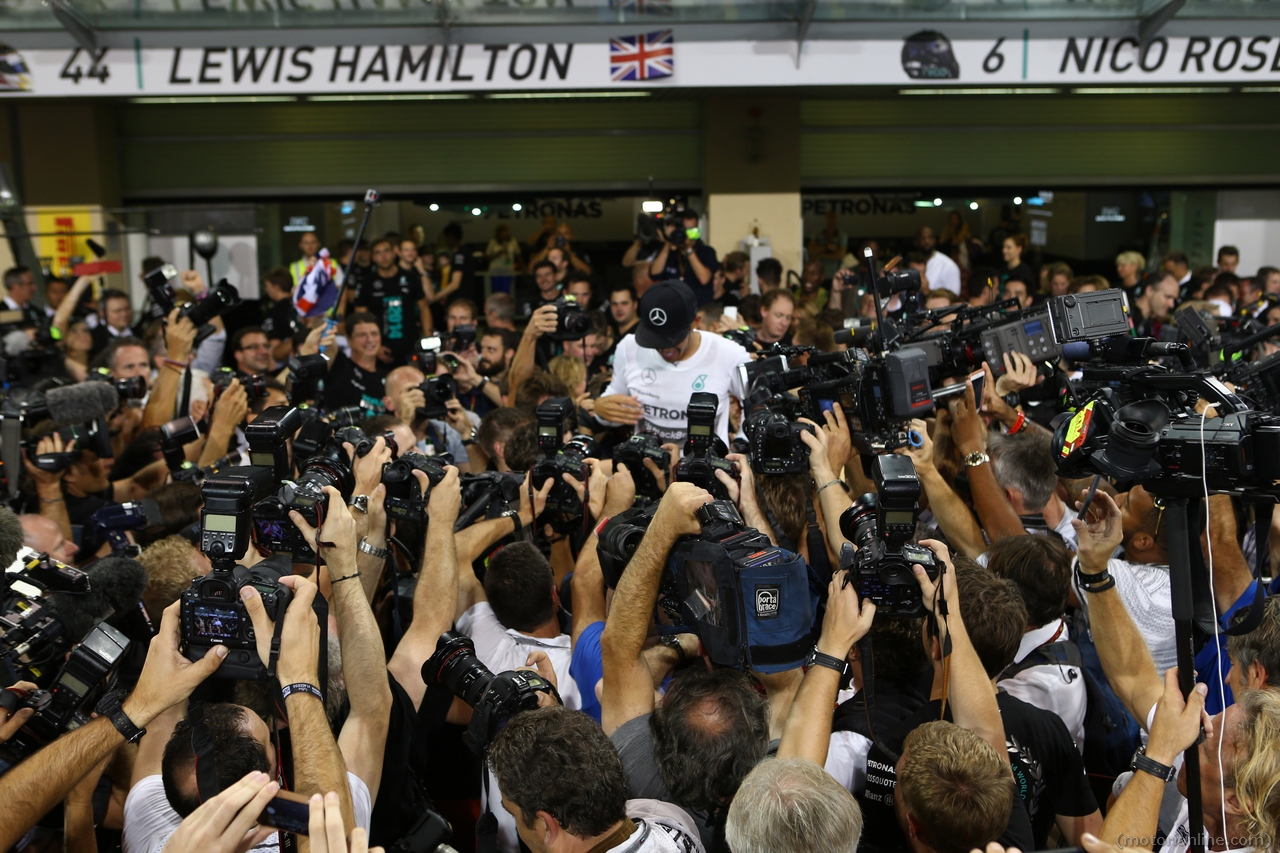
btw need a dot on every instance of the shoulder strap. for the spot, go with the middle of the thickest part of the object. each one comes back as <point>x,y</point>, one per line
<point>1061,653</point>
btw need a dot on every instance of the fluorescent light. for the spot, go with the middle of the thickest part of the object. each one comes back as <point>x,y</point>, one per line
<point>475,211</point>
<point>937,202</point>
<point>973,205</point>
<point>1017,199</point>
<point>434,208</point>
<point>218,99</point>
<point>978,91</point>
<point>1171,90</point>
<point>517,207</point>
<point>924,204</point>
<point>651,206</point>
<point>514,96</point>
<point>1259,89</point>
<point>407,97</point>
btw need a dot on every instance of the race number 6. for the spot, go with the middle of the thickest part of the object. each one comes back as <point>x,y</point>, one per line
<point>994,60</point>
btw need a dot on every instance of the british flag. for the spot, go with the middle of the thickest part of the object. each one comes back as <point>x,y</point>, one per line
<point>644,57</point>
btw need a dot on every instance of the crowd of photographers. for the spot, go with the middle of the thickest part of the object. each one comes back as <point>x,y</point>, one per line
<point>914,556</point>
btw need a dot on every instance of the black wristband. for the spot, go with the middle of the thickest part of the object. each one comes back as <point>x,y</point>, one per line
<point>1163,772</point>
<point>817,658</point>
<point>1093,583</point>
<point>301,687</point>
<point>514,515</point>
<point>111,706</point>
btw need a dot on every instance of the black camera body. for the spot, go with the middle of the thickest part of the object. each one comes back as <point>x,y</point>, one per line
<point>633,452</point>
<point>881,525</point>
<point>67,704</point>
<point>306,372</point>
<point>254,386</point>
<point>438,391</point>
<point>619,539</point>
<point>214,615</point>
<point>701,461</point>
<point>494,699</point>
<point>131,388</point>
<point>774,438</point>
<point>572,322</point>
<point>490,493</point>
<point>462,337</point>
<point>878,396</point>
<point>405,500</point>
<point>555,417</point>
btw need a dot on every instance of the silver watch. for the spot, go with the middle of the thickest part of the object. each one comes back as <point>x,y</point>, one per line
<point>360,502</point>
<point>380,553</point>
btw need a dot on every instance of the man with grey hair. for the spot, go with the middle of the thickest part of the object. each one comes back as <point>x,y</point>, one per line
<point>1024,468</point>
<point>791,805</point>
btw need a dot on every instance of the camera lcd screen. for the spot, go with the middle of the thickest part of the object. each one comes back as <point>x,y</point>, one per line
<point>270,530</point>
<point>704,593</point>
<point>73,684</point>
<point>552,431</point>
<point>216,623</point>
<point>899,517</point>
<point>1035,327</point>
<point>699,429</point>
<point>220,523</point>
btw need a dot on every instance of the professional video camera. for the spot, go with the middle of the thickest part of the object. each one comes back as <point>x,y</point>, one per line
<point>93,436</point>
<point>881,524</point>
<point>26,360</point>
<point>212,611</point>
<point>82,408</point>
<point>560,457</point>
<point>1141,426</point>
<point>618,541</point>
<point>494,699</point>
<point>702,458</point>
<point>572,322</point>
<point>83,679</point>
<point>751,604</point>
<point>878,397</point>
<point>633,452</point>
<point>405,500</point>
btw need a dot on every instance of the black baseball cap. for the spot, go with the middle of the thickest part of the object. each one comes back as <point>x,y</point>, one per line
<point>667,312</point>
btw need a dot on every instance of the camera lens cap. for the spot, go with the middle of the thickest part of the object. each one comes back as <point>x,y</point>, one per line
<point>914,438</point>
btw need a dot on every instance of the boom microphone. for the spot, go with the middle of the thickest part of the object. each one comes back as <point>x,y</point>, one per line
<point>12,537</point>
<point>16,343</point>
<point>115,585</point>
<point>77,404</point>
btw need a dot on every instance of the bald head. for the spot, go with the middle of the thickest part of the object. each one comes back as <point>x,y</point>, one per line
<point>44,535</point>
<point>396,383</point>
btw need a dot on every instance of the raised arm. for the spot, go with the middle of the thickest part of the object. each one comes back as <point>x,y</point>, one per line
<point>62,316</point>
<point>1121,649</point>
<point>954,518</point>
<point>542,322</point>
<point>973,702</point>
<point>588,580</point>
<point>179,336</point>
<point>53,504</point>
<point>808,729</point>
<point>1231,573</point>
<point>363,737</point>
<point>832,498</point>
<point>36,785</point>
<point>997,515</point>
<point>436,590</point>
<point>628,685</point>
<point>228,413</point>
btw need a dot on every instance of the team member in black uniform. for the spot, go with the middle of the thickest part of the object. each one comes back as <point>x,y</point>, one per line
<point>395,298</point>
<point>359,379</point>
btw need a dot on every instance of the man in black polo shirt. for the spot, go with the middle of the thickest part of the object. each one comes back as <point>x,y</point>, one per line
<point>281,320</point>
<point>357,380</point>
<point>395,298</point>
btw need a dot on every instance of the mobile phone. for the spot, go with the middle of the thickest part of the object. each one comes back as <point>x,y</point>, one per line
<point>731,311</point>
<point>287,812</point>
<point>978,378</point>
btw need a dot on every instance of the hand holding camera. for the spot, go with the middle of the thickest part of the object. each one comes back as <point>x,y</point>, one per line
<point>922,456</point>
<point>368,468</point>
<point>677,512</point>
<point>941,590</point>
<point>1019,372</point>
<point>232,406</point>
<point>52,459</point>
<point>179,335</point>
<point>620,491</point>
<point>14,721</point>
<point>968,429</point>
<point>543,321</point>
<point>445,498</point>
<point>848,617</point>
<point>591,493</point>
<point>456,417</point>
<point>168,677</point>
<point>336,539</point>
<point>533,502</point>
<point>300,634</point>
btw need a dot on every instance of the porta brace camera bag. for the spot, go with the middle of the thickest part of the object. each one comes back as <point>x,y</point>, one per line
<point>752,608</point>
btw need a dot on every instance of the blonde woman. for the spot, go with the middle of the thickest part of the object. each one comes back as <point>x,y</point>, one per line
<point>1129,266</point>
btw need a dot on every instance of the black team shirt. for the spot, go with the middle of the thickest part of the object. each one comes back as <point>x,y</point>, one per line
<point>348,384</point>
<point>394,301</point>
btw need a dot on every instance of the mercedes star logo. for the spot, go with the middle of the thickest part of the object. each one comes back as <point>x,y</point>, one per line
<point>658,317</point>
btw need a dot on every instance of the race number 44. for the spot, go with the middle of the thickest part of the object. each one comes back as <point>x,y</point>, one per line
<point>97,69</point>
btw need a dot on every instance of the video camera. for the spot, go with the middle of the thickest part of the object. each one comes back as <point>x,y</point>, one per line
<point>878,396</point>
<point>702,457</point>
<point>881,525</point>
<point>494,699</point>
<point>492,493</point>
<point>113,520</point>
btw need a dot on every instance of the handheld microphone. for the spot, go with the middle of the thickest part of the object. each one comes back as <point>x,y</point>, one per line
<point>77,404</point>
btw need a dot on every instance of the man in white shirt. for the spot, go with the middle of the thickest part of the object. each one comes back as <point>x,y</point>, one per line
<point>941,271</point>
<point>1024,468</point>
<point>514,614</point>
<point>666,361</point>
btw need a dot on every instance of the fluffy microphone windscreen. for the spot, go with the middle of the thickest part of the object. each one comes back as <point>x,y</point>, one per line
<point>11,537</point>
<point>76,404</point>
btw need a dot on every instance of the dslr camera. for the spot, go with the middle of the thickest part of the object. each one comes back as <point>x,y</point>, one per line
<point>438,391</point>
<point>881,525</point>
<point>554,417</point>
<point>494,699</point>
<point>633,452</point>
<point>217,301</point>
<point>572,322</point>
<point>702,457</point>
<point>405,501</point>
<point>212,612</point>
<point>774,439</point>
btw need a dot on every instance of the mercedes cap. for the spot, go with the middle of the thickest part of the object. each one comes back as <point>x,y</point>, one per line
<point>667,312</point>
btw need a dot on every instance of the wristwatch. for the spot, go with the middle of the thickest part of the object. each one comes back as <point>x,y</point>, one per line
<point>1012,399</point>
<point>817,658</point>
<point>484,380</point>
<point>1140,761</point>
<point>110,706</point>
<point>976,458</point>
<point>360,502</point>
<point>671,641</point>
<point>380,553</point>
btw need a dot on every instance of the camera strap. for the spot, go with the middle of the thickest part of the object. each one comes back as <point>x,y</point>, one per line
<point>818,557</point>
<point>487,825</point>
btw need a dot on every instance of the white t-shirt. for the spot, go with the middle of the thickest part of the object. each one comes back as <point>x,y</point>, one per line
<point>1144,589</point>
<point>502,649</point>
<point>149,820</point>
<point>847,760</point>
<point>1058,689</point>
<point>664,388</point>
<point>943,274</point>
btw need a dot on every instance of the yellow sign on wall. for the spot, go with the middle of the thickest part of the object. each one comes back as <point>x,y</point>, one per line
<point>63,231</point>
